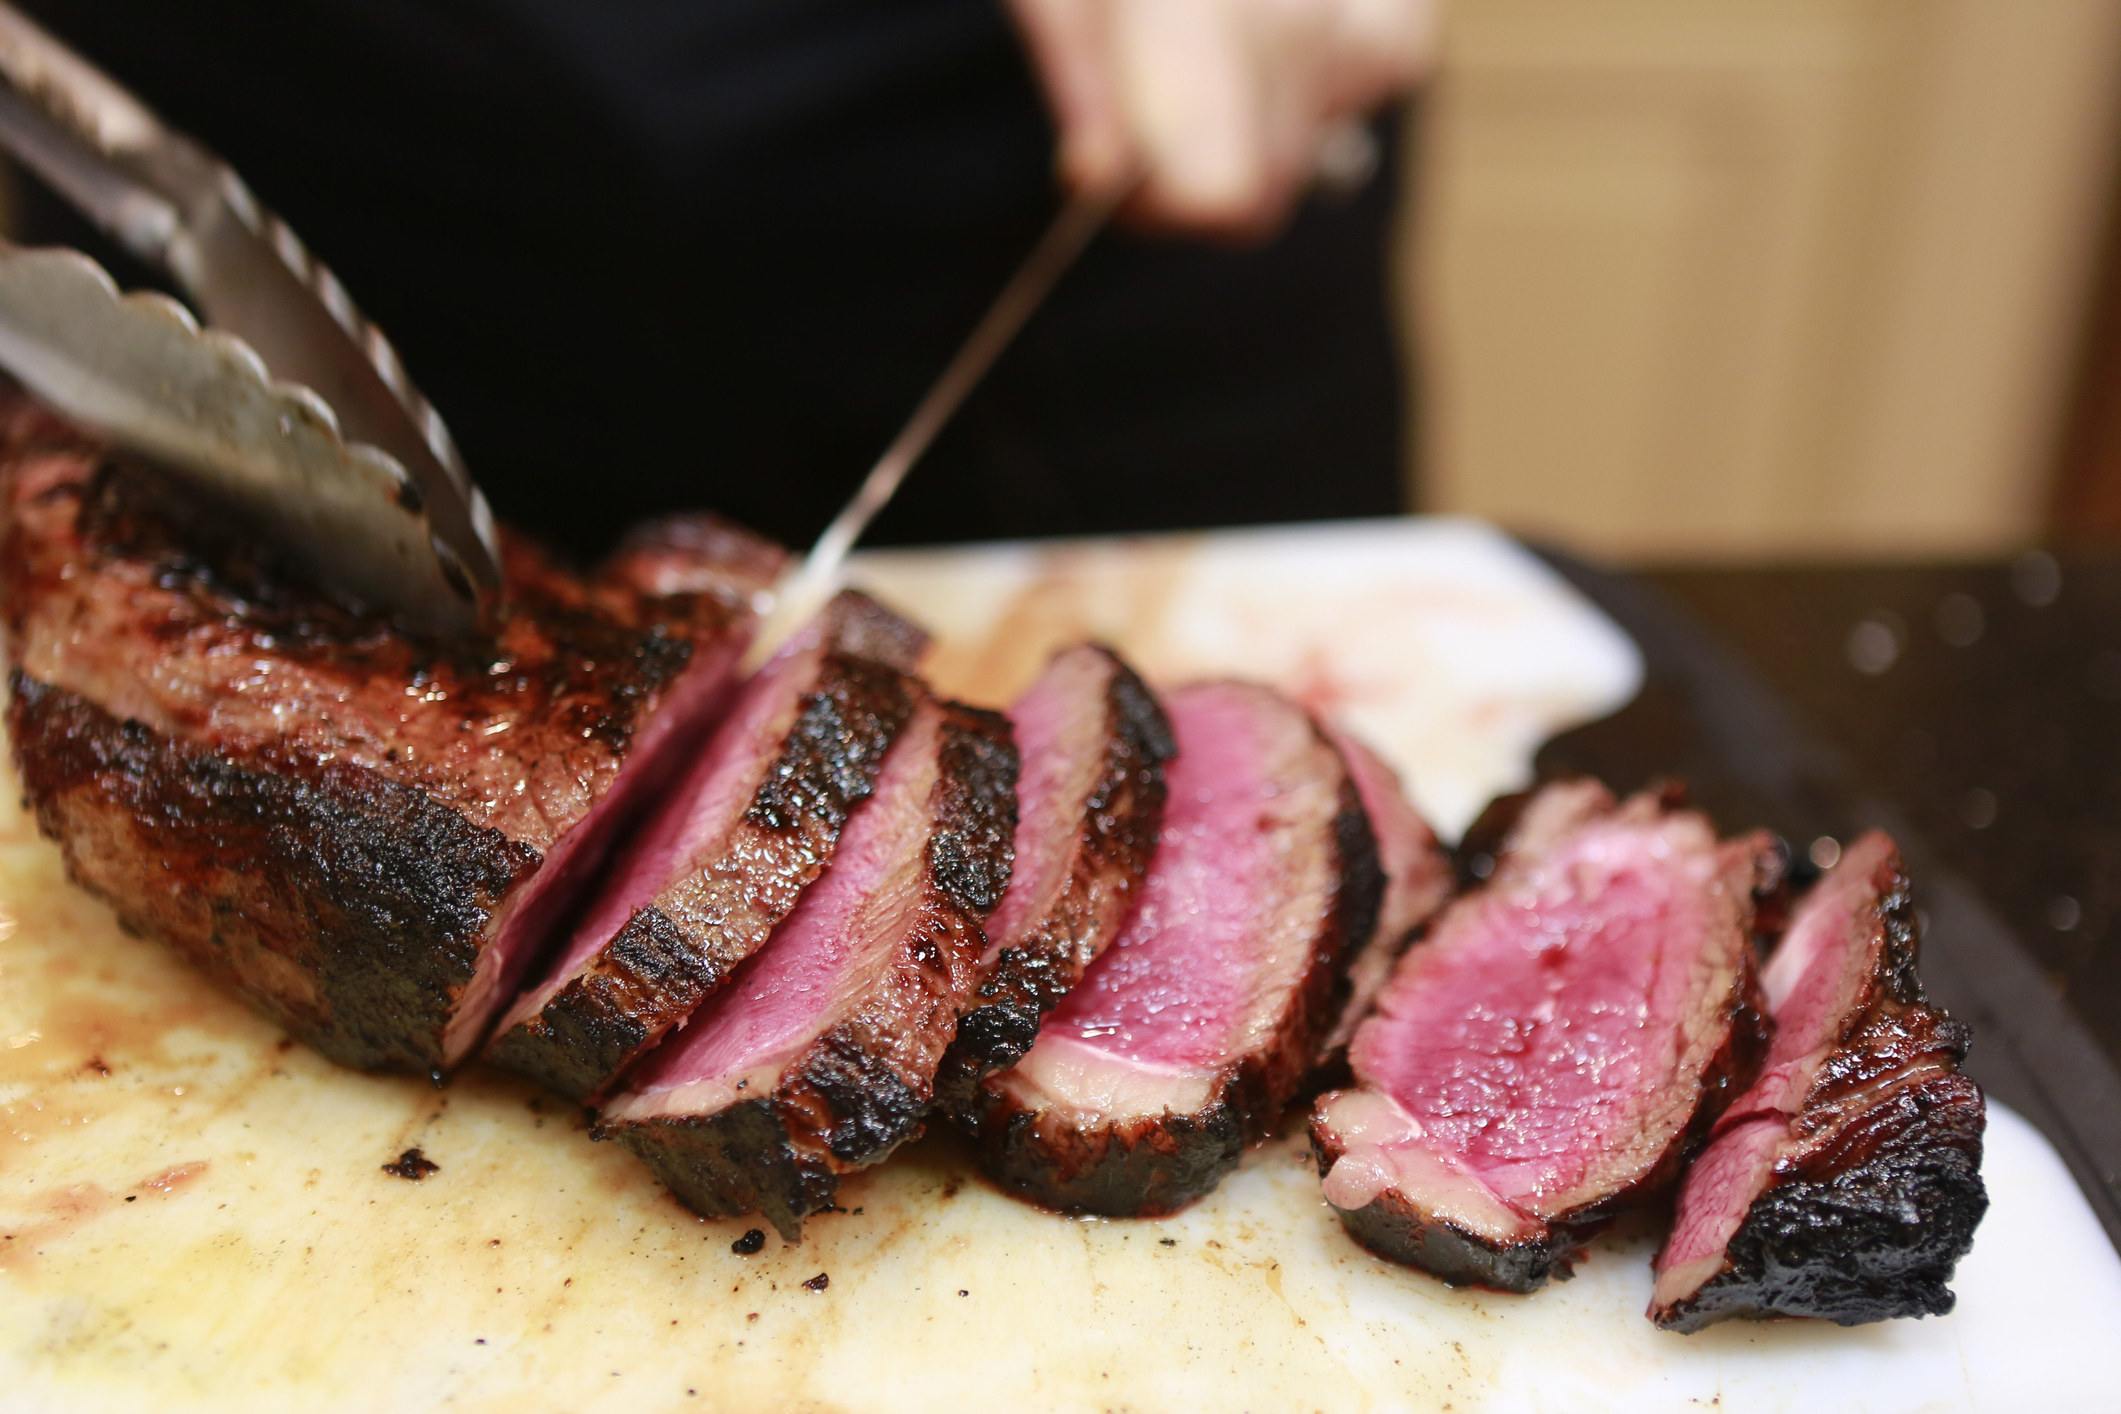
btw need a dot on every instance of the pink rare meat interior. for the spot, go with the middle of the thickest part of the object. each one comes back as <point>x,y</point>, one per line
<point>1418,880</point>
<point>797,985</point>
<point>694,703</point>
<point>1845,1183</point>
<point>714,794</point>
<point>1811,983</point>
<point>1417,875</point>
<point>1525,1056</point>
<point>1054,720</point>
<point>1174,987</point>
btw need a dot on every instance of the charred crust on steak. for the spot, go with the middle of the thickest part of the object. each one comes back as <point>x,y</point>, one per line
<point>344,906</point>
<point>1116,838</point>
<point>1362,878</point>
<point>1875,1189</point>
<point>1867,1229</point>
<point>1735,1065</point>
<point>590,1030</point>
<point>673,954</point>
<point>864,1085</point>
<point>1394,1230</point>
<point>973,847</point>
<point>1418,879</point>
<point>1146,1167</point>
<point>1140,1164</point>
<point>738,1161</point>
<point>128,598</point>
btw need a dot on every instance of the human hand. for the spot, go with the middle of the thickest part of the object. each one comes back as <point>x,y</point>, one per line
<point>1219,107</point>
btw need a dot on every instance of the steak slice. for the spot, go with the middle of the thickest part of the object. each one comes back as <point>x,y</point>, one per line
<point>1089,805</point>
<point>1552,1046</point>
<point>1846,1183</point>
<point>363,835</point>
<point>1189,1036</point>
<point>725,854</point>
<point>819,1058</point>
<point>1419,878</point>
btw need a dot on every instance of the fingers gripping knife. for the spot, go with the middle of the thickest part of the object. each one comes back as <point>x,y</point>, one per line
<point>292,407</point>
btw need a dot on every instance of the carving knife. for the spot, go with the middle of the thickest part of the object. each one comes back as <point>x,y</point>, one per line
<point>804,588</point>
<point>1346,158</point>
<point>292,405</point>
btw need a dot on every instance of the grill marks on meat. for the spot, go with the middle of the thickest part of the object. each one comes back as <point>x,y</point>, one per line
<point>1845,1184</point>
<point>1090,804</point>
<point>725,855</point>
<point>1548,1052</point>
<point>360,834</point>
<point>819,1058</point>
<point>1188,1037</point>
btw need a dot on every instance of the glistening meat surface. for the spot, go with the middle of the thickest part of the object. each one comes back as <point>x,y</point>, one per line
<point>363,835</point>
<point>1845,1184</point>
<point>1551,1047</point>
<point>1188,1037</point>
<point>1090,802</point>
<point>820,1057</point>
<point>726,853</point>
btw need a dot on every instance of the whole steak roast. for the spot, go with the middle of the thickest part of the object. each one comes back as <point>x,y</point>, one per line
<point>363,836</point>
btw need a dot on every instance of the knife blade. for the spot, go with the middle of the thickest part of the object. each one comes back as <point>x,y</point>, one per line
<point>177,206</point>
<point>803,590</point>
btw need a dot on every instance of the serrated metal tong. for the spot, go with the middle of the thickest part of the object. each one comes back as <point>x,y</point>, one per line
<point>291,406</point>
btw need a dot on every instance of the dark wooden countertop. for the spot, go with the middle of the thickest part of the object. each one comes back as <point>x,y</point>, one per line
<point>1985,702</point>
<point>1972,710</point>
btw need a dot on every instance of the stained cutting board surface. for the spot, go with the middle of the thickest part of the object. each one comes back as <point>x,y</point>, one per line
<point>194,1213</point>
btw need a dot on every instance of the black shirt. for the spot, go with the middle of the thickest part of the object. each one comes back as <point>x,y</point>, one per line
<point>651,254</point>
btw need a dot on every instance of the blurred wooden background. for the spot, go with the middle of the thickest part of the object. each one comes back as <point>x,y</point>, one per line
<point>1708,279</point>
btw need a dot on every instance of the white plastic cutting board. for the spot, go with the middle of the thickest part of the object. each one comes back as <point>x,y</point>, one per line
<point>193,1214</point>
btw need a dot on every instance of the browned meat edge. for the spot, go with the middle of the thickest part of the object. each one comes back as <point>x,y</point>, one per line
<point>347,907</point>
<point>159,648</point>
<point>1392,1228</point>
<point>1144,1167</point>
<point>864,1087</point>
<point>660,966</point>
<point>1867,1218</point>
<point>1119,832</point>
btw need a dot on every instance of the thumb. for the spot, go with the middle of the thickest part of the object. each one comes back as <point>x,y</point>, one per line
<point>1190,96</point>
<point>1070,42</point>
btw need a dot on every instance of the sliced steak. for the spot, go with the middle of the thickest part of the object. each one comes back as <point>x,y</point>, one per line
<point>1552,1046</point>
<point>820,1056</point>
<point>1846,1183</point>
<point>363,835</point>
<point>1418,880</point>
<point>1188,1037</point>
<point>1089,805</point>
<point>725,854</point>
